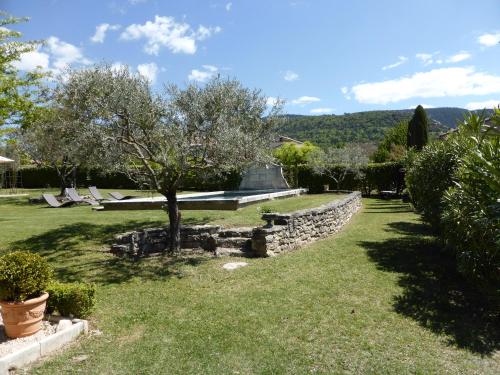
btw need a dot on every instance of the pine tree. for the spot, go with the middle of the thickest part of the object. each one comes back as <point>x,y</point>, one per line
<point>418,129</point>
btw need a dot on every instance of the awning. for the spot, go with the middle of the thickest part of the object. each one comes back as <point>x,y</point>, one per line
<point>6,160</point>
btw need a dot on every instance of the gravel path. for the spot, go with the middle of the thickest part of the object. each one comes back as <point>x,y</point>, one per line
<point>8,346</point>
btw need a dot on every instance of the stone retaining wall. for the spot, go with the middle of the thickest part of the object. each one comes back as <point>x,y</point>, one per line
<point>156,240</point>
<point>286,232</point>
<point>283,232</point>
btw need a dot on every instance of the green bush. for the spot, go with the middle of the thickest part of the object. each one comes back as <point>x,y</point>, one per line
<point>429,176</point>
<point>23,275</point>
<point>375,176</point>
<point>471,213</point>
<point>71,299</point>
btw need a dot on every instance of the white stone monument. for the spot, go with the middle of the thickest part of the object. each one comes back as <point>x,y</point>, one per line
<point>264,177</point>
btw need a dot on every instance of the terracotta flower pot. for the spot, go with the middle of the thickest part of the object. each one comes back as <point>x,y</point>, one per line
<point>23,318</point>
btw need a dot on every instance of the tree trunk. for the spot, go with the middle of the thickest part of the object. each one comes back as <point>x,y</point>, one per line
<point>62,181</point>
<point>174,218</point>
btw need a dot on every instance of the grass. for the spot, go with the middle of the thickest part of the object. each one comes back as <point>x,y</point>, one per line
<point>379,297</point>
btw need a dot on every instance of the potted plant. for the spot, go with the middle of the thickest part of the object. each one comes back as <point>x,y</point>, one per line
<point>23,279</point>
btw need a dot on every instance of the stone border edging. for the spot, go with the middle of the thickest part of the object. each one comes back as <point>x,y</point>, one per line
<point>40,349</point>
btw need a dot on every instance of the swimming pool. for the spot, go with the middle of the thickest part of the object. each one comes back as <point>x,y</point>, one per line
<point>216,200</point>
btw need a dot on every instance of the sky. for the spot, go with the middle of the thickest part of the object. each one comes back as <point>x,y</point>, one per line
<point>320,56</point>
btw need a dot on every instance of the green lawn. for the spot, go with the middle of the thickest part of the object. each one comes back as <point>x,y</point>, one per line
<point>380,297</point>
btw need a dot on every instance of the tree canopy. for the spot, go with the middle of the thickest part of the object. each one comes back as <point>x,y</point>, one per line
<point>160,138</point>
<point>19,92</point>
<point>393,146</point>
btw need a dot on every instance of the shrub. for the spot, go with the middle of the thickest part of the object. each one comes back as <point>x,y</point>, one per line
<point>265,210</point>
<point>23,275</point>
<point>71,299</point>
<point>471,213</point>
<point>429,176</point>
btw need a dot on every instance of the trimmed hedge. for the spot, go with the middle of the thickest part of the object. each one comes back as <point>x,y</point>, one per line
<point>376,176</point>
<point>71,299</point>
<point>44,177</point>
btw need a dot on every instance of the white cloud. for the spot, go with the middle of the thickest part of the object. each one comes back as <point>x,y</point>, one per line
<point>345,92</point>
<point>117,66</point>
<point>206,32</point>
<point>435,83</point>
<point>290,76</point>
<point>401,60</point>
<point>100,32</point>
<point>303,100</point>
<point>426,58</point>
<point>318,111</point>
<point>54,56</point>
<point>482,105</point>
<point>271,100</point>
<point>203,75</point>
<point>166,32</point>
<point>64,53</point>
<point>489,40</point>
<point>32,60</point>
<point>461,56</point>
<point>423,105</point>
<point>228,6</point>
<point>135,2</point>
<point>149,71</point>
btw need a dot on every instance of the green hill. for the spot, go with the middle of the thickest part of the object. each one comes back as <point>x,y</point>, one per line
<point>361,127</point>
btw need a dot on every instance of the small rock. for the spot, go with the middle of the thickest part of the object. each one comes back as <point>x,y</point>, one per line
<point>96,332</point>
<point>80,358</point>
<point>63,324</point>
<point>234,265</point>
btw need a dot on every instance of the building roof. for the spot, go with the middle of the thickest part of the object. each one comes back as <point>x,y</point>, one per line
<point>281,140</point>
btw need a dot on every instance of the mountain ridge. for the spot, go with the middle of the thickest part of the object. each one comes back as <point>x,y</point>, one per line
<point>363,127</point>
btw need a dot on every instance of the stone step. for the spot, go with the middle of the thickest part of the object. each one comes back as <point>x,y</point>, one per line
<point>230,252</point>
<point>241,243</point>
<point>245,232</point>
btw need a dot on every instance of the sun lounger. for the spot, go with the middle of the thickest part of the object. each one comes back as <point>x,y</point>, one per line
<point>75,197</point>
<point>97,194</point>
<point>119,196</point>
<point>53,202</point>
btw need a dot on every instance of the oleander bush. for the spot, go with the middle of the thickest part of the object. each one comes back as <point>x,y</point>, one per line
<point>23,275</point>
<point>429,175</point>
<point>71,299</point>
<point>471,212</point>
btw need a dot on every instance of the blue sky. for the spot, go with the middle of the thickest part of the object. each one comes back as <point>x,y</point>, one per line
<point>320,56</point>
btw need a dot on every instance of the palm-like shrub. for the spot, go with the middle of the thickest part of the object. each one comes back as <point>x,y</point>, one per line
<point>23,275</point>
<point>471,214</point>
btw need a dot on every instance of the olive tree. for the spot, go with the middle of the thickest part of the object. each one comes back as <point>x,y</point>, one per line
<point>159,138</point>
<point>336,163</point>
<point>57,140</point>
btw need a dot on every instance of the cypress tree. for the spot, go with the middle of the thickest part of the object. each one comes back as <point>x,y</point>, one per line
<point>418,136</point>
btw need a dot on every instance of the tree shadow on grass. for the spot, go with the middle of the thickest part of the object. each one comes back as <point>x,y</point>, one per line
<point>394,206</point>
<point>79,251</point>
<point>434,293</point>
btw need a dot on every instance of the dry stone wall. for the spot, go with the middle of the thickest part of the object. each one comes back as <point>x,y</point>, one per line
<point>283,232</point>
<point>286,232</point>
